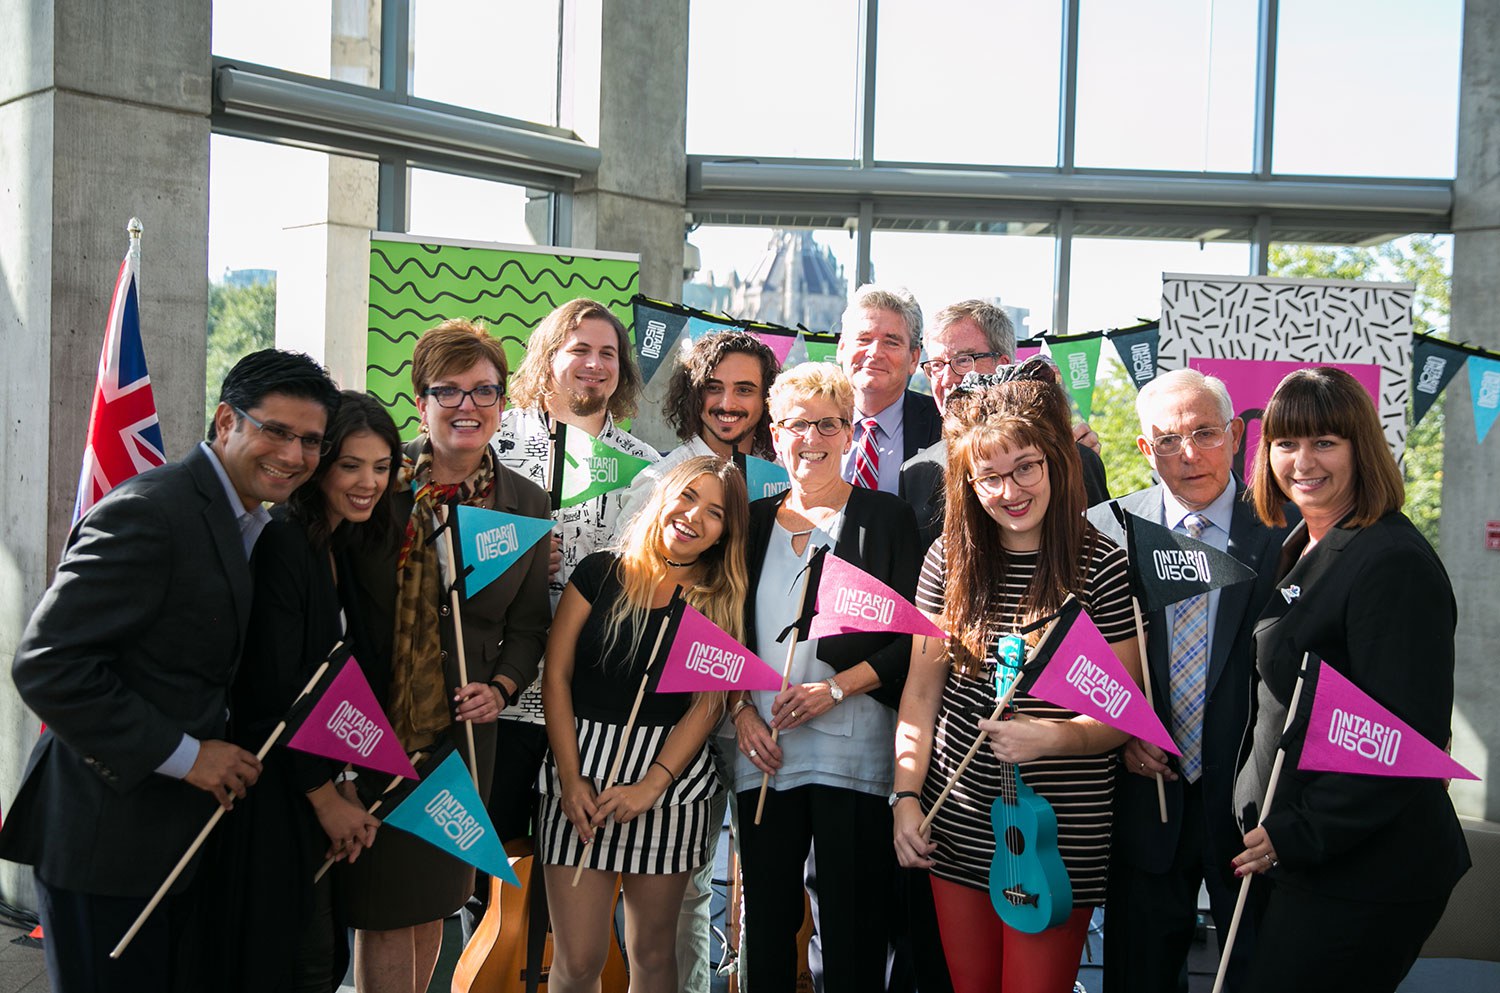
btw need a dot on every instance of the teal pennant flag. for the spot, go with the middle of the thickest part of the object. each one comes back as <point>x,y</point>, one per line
<point>446,812</point>
<point>1484,393</point>
<point>490,542</point>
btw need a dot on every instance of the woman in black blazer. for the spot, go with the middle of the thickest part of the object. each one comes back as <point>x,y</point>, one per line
<point>300,812</point>
<point>1362,865</point>
<point>831,767</point>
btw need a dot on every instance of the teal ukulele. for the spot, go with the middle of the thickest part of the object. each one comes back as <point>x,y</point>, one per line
<point>1029,885</point>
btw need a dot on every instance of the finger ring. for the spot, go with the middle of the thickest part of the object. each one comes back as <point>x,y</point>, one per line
<point>1143,767</point>
<point>1268,858</point>
<point>1275,863</point>
<point>754,753</point>
<point>794,715</point>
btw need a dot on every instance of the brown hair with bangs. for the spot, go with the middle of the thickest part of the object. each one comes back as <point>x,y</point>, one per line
<point>450,348</point>
<point>1008,416</point>
<point>1323,401</point>
<point>534,384</point>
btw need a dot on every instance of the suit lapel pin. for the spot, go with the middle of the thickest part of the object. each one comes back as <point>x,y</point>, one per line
<point>1291,593</point>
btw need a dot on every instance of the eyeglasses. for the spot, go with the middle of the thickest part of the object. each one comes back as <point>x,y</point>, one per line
<point>827,426</point>
<point>312,444</point>
<point>961,364</point>
<point>451,396</point>
<point>1025,475</point>
<point>1202,439</point>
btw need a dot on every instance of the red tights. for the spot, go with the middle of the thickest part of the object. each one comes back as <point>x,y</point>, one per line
<point>980,948</point>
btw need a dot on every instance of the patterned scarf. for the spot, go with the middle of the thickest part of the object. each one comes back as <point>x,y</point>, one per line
<point>418,703</point>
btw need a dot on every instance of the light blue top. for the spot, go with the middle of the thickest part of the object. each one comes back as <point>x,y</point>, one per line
<point>851,745</point>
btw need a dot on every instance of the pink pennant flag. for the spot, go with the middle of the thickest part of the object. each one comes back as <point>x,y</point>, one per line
<point>851,600</point>
<point>781,346</point>
<point>1085,675</point>
<point>704,658</point>
<point>346,724</point>
<point>1349,732</point>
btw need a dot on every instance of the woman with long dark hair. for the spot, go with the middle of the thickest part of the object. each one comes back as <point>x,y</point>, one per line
<point>1015,545</point>
<point>1361,866</point>
<point>300,811</point>
<point>651,826</point>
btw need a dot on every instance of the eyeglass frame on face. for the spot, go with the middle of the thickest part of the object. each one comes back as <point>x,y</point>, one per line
<point>790,424</point>
<point>309,442</point>
<point>983,484</point>
<point>461,395</point>
<point>935,367</point>
<point>1176,441</point>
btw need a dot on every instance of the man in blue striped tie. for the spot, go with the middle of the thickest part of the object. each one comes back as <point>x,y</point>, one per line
<point>1200,655</point>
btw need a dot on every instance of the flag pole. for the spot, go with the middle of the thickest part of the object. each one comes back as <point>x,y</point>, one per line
<point>786,678</point>
<point>328,862</point>
<point>1140,638</point>
<point>994,716</point>
<point>458,638</point>
<point>614,769</point>
<point>1239,903</point>
<point>187,856</point>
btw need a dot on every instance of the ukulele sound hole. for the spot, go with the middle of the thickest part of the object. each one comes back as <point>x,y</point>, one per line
<point>1015,840</point>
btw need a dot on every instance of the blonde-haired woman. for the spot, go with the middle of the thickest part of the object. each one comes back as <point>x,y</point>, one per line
<point>652,825</point>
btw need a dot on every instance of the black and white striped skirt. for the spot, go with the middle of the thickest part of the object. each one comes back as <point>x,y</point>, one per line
<point>670,837</point>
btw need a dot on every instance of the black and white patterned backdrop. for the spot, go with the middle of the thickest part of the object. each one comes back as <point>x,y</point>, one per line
<point>1294,320</point>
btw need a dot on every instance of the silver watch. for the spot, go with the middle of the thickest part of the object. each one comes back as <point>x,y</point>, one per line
<point>835,690</point>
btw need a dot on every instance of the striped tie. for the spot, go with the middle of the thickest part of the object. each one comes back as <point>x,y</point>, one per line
<point>867,457</point>
<point>1189,673</point>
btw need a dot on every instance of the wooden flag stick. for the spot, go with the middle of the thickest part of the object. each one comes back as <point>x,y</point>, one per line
<point>994,716</point>
<point>187,856</point>
<point>1239,903</point>
<point>458,640</point>
<point>1140,637</point>
<point>614,768</point>
<point>786,678</point>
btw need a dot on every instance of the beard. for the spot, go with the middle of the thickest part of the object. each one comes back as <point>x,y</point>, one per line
<point>744,428</point>
<point>582,404</point>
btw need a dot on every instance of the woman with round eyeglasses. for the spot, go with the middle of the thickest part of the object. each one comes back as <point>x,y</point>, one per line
<point>1015,545</point>
<point>399,893</point>
<point>830,767</point>
<point>1361,867</point>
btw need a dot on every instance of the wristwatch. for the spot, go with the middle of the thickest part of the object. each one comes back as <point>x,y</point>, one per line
<point>835,690</point>
<point>900,795</point>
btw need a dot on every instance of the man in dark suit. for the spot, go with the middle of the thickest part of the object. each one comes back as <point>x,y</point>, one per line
<point>128,661</point>
<point>970,336</point>
<point>1200,660</point>
<point>878,349</point>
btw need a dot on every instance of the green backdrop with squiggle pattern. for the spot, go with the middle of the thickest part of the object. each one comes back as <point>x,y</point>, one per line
<point>414,286</point>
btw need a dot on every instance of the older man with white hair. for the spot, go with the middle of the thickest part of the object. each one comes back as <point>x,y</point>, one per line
<point>1200,657</point>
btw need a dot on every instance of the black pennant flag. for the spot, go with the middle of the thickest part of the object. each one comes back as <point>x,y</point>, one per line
<point>1137,350</point>
<point>1433,364</point>
<point>1166,567</point>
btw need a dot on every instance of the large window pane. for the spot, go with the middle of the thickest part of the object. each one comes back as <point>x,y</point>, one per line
<point>1368,87</point>
<point>460,207</point>
<point>1012,271</point>
<point>778,78</point>
<point>1116,282</point>
<point>1164,84</point>
<point>972,85</point>
<point>782,276</point>
<point>287,34</point>
<point>499,56</point>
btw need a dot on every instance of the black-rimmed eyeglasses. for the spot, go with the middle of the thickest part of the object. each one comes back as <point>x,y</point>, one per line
<point>312,444</point>
<point>451,396</point>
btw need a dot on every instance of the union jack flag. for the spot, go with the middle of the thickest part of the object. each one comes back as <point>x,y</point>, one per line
<point>124,435</point>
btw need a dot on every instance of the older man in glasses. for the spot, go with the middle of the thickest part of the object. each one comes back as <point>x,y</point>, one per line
<point>1199,657</point>
<point>972,336</point>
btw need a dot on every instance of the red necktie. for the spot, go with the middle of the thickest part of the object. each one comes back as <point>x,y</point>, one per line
<point>867,458</point>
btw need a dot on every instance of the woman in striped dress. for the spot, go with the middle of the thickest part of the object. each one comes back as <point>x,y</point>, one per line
<point>653,825</point>
<point>1015,544</point>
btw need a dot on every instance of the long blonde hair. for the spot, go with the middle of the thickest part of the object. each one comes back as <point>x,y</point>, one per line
<point>720,594</point>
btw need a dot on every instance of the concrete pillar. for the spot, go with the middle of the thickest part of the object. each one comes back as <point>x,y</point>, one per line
<point>103,115</point>
<point>323,278</point>
<point>636,111</point>
<point>1471,485</point>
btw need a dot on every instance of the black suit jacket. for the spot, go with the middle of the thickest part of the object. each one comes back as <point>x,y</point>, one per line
<point>924,476</point>
<point>880,537</point>
<point>1139,835</point>
<point>134,644</point>
<point>921,423</point>
<point>1376,604</point>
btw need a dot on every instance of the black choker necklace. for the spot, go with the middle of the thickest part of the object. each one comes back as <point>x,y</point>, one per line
<point>678,565</point>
